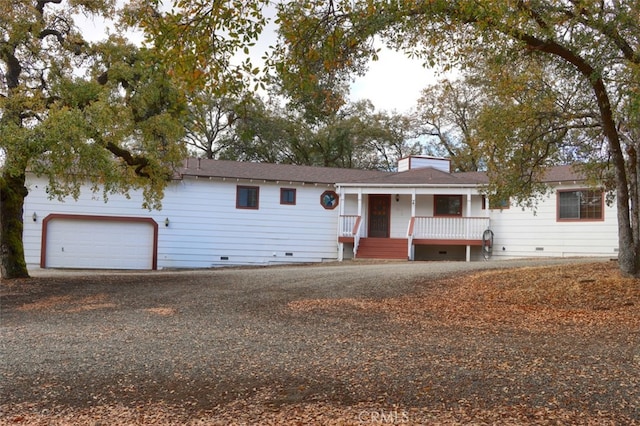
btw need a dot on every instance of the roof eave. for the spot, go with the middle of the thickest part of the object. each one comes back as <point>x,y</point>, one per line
<point>411,185</point>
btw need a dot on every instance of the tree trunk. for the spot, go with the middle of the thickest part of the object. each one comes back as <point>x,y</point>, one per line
<point>12,195</point>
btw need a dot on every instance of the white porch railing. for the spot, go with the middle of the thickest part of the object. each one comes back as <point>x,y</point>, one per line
<point>350,227</point>
<point>347,223</point>
<point>422,228</point>
<point>448,228</point>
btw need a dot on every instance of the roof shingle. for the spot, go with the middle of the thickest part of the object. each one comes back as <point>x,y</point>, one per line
<point>274,172</point>
<point>330,175</point>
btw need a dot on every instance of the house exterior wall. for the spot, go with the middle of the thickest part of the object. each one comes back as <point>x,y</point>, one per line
<point>521,233</point>
<point>205,227</point>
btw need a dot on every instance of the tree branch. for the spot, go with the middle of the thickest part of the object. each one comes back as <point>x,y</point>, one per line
<point>134,161</point>
<point>48,32</point>
<point>608,30</point>
<point>42,3</point>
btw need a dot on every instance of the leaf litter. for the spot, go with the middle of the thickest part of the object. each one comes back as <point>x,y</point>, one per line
<point>592,301</point>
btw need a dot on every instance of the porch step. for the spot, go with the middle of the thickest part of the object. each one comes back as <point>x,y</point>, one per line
<point>382,248</point>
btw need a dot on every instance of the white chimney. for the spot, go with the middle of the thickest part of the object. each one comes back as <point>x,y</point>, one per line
<point>422,161</point>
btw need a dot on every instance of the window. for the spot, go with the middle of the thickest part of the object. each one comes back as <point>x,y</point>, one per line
<point>329,200</point>
<point>499,204</point>
<point>247,197</point>
<point>448,205</point>
<point>496,204</point>
<point>287,196</point>
<point>580,204</point>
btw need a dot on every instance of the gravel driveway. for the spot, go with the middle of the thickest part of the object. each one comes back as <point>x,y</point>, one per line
<point>201,340</point>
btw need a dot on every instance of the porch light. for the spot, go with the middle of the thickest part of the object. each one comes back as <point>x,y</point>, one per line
<point>166,222</point>
<point>34,217</point>
<point>397,198</point>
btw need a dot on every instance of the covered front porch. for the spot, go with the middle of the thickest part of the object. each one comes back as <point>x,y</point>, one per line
<point>414,223</point>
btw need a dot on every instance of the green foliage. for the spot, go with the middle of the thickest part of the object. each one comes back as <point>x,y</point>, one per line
<point>201,41</point>
<point>355,137</point>
<point>448,113</point>
<point>106,113</point>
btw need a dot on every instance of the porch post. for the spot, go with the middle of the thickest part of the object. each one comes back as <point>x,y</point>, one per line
<point>340,216</point>
<point>468,231</point>
<point>413,203</point>
<point>412,248</point>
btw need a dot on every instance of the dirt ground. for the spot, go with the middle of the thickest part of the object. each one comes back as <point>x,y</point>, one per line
<point>388,343</point>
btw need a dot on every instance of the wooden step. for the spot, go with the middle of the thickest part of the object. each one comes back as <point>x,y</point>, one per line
<point>382,248</point>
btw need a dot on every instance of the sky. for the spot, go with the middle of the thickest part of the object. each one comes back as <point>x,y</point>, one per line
<point>394,82</point>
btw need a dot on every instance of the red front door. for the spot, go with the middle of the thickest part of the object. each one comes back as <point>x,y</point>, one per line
<point>379,214</point>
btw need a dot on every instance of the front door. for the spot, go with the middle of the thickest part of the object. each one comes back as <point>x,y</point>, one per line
<point>379,213</point>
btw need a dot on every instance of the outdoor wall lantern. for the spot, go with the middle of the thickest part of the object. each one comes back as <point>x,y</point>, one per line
<point>34,217</point>
<point>166,222</point>
<point>397,198</point>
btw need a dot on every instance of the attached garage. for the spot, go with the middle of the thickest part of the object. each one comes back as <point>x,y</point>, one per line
<point>98,242</point>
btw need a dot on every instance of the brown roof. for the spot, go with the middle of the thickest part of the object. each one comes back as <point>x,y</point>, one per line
<point>331,175</point>
<point>562,174</point>
<point>426,176</point>
<point>274,172</point>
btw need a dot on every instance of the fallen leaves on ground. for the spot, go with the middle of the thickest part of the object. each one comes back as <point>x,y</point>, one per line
<point>587,298</point>
<point>255,413</point>
<point>69,304</point>
<point>534,298</point>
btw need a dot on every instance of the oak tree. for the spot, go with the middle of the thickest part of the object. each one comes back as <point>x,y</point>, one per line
<point>104,113</point>
<point>448,112</point>
<point>597,43</point>
<point>108,113</point>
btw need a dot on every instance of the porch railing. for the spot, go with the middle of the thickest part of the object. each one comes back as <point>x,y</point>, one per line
<point>422,228</point>
<point>447,228</point>
<point>410,229</point>
<point>347,225</point>
<point>350,227</point>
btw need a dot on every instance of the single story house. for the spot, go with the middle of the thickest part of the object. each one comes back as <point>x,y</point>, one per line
<point>222,213</point>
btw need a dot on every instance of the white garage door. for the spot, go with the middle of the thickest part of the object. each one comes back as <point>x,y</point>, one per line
<point>99,244</point>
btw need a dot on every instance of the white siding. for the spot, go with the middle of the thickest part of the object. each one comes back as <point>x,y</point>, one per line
<point>205,226</point>
<point>521,233</point>
<point>400,216</point>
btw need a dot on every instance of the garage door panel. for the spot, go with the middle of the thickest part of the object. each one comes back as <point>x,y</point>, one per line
<point>100,244</point>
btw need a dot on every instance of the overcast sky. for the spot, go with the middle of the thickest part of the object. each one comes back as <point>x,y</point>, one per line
<point>394,82</point>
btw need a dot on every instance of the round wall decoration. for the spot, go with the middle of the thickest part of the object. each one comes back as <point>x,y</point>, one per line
<point>329,200</point>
